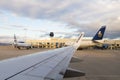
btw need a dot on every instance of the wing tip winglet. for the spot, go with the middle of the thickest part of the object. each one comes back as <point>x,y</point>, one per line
<point>78,41</point>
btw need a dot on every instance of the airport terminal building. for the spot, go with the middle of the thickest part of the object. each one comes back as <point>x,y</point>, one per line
<point>58,43</point>
<point>112,44</point>
<point>50,43</point>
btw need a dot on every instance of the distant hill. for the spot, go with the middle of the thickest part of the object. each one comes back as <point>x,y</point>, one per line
<point>5,44</point>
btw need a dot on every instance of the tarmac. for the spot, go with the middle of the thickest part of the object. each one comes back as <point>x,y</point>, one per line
<point>97,64</point>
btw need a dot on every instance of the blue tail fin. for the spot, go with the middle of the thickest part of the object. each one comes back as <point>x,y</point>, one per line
<point>99,35</point>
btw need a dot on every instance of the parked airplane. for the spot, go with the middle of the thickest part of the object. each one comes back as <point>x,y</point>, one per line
<point>48,65</point>
<point>21,44</point>
<point>96,39</point>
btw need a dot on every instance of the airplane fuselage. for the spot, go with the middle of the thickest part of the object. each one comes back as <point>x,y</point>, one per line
<point>89,43</point>
<point>22,45</point>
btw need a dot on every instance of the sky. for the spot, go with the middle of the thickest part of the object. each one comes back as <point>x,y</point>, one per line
<point>34,19</point>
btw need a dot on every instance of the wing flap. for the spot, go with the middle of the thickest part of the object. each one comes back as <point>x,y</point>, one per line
<point>75,59</point>
<point>25,77</point>
<point>73,73</point>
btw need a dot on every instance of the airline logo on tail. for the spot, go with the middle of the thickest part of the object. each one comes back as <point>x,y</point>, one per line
<point>99,35</point>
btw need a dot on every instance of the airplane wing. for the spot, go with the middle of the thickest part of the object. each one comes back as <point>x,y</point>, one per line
<point>48,65</point>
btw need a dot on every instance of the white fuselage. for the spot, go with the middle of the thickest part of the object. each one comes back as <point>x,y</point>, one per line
<point>20,45</point>
<point>89,42</point>
<point>23,44</point>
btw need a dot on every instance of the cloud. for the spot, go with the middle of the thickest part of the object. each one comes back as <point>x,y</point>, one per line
<point>18,26</point>
<point>1,13</point>
<point>6,39</point>
<point>60,10</point>
<point>82,15</point>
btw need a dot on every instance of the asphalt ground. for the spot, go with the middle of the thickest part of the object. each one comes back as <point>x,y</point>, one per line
<point>97,64</point>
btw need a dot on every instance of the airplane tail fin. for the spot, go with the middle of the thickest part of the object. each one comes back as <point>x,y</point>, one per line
<point>15,39</point>
<point>99,35</point>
